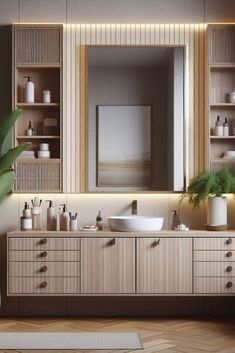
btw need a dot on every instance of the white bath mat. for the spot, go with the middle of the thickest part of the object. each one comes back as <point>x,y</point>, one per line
<point>58,340</point>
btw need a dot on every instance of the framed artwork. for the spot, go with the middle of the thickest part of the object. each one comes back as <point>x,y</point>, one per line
<point>124,145</point>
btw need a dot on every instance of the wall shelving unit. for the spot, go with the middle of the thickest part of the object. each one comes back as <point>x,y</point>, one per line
<point>220,81</point>
<point>37,52</point>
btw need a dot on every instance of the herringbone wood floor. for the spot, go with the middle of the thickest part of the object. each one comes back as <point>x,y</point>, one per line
<point>157,335</point>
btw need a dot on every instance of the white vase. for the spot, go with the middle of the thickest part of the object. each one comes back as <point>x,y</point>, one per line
<point>217,210</point>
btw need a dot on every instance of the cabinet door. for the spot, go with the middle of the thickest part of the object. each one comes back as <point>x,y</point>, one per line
<point>164,265</point>
<point>108,265</point>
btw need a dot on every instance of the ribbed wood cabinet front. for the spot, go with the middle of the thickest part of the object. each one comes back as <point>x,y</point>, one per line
<point>108,265</point>
<point>214,265</point>
<point>164,265</point>
<point>43,266</point>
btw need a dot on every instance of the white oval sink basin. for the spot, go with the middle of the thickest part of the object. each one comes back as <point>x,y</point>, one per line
<point>135,223</point>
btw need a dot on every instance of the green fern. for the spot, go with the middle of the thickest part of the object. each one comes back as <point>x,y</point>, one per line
<point>206,183</point>
<point>7,159</point>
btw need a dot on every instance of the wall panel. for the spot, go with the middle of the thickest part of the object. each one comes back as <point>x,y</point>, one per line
<point>191,36</point>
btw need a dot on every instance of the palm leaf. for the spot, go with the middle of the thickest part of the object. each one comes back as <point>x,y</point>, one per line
<point>6,124</point>
<point>6,182</point>
<point>9,158</point>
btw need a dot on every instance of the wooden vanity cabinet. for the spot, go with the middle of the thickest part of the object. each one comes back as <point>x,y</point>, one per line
<point>214,265</point>
<point>164,265</point>
<point>107,265</point>
<point>79,264</point>
<point>46,265</point>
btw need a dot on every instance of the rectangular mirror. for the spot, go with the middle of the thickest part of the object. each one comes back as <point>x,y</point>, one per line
<point>135,119</point>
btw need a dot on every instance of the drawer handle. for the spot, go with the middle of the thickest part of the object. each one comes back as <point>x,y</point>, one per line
<point>229,254</point>
<point>229,284</point>
<point>43,241</point>
<point>155,243</point>
<point>229,269</point>
<point>43,284</point>
<point>43,254</point>
<point>113,241</point>
<point>43,269</point>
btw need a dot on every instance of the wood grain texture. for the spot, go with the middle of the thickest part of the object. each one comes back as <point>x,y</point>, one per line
<point>213,255</point>
<point>37,52</point>
<point>43,243</point>
<point>157,335</point>
<point>51,255</point>
<point>164,267</point>
<point>214,285</point>
<point>37,45</point>
<point>34,285</point>
<point>77,36</point>
<point>45,269</point>
<point>108,267</point>
<point>214,243</point>
<point>214,269</point>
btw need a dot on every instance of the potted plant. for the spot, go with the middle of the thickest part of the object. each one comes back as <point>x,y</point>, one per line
<point>212,186</point>
<point>7,158</point>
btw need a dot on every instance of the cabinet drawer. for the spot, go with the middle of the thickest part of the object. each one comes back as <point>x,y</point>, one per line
<point>43,243</point>
<point>214,243</point>
<point>40,286</point>
<point>214,269</point>
<point>45,269</point>
<point>17,255</point>
<point>214,255</point>
<point>214,285</point>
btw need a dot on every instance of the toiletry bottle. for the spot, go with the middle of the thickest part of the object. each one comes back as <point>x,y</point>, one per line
<point>218,127</point>
<point>99,221</point>
<point>26,211</point>
<point>46,96</point>
<point>30,129</point>
<point>29,90</point>
<point>64,219</point>
<point>225,127</point>
<point>175,220</point>
<point>26,221</point>
<point>51,217</point>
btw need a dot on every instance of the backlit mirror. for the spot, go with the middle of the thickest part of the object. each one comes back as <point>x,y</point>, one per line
<point>135,118</point>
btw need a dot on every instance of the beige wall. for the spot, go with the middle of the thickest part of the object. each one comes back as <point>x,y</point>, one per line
<point>94,11</point>
<point>117,11</point>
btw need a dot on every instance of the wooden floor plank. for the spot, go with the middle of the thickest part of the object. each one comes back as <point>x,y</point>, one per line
<point>157,335</point>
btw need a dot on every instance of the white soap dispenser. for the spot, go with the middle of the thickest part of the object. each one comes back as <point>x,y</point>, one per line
<point>51,216</point>
<point>29,90</point>
<point>64,219</point>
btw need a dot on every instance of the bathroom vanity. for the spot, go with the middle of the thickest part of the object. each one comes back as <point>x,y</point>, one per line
<point>164,263</point>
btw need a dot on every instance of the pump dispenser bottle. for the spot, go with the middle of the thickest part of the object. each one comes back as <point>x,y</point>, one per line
<point>51,216</point>
<point>218,127</point>
<point>225,127</point>
<point>64,219</point>
<point>26,220</point>
<point>99,221</point>
<point>29,90</point>
<point>175,220</point>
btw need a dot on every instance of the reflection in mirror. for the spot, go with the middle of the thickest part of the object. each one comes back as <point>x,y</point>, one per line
<point>135,119</point>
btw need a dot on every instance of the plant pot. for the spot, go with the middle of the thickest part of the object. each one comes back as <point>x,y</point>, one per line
<point>217,211</point>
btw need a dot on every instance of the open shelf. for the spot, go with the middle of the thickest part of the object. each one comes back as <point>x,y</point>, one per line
<point>222,105</point>
<point>38,54</point>
<point>222,137</point>
<point>220,82</point>
<point>37,105</point>
<point>34,137</point>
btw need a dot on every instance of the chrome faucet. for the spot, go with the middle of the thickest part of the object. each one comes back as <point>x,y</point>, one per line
<point>134,207</point>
